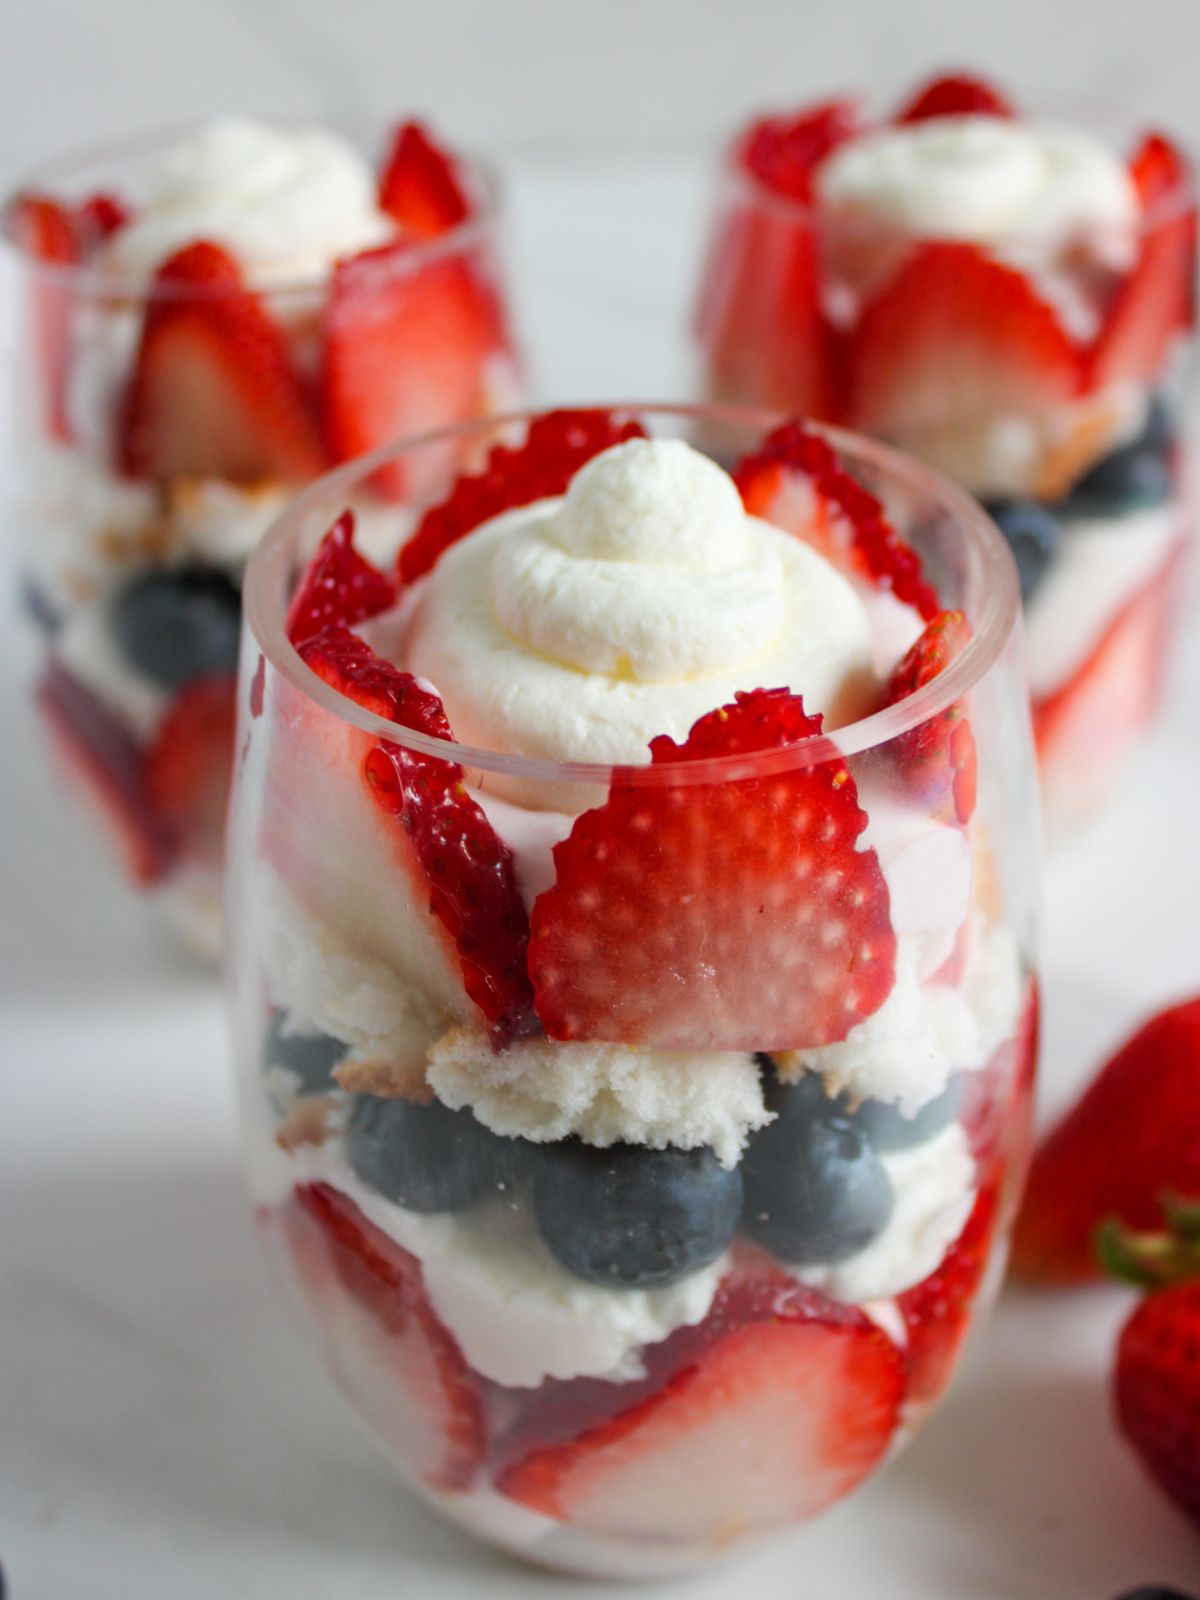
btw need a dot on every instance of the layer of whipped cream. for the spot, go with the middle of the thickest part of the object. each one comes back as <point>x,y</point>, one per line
<point>581,628</point>
<point>1101,565</point>
<point>287,202</point>
<point>1040,189</point>
<point>517,1315</point>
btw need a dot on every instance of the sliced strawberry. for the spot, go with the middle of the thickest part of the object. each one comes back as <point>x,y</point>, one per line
<point>407,341</point>
<point>998,1108</point>
<point>953,344</point>
<point>956,95</point>
<point>98,217</point>
<point>1156,303</point>
<point>938,754</point>
<point>214,393</point>
<point>421,186</point>
<point>190,762</point>
<point>466,868</point>
<point>794,480</point>
<point>1086,728</point>
<point>340,587</point>
<point>937,1311</point>
<point>46,231</point>
<point>1134,1136</point>
<point>760,320</point>
<point>738,915</point>
<point>102,757</point>
<point>557,445</point>
<point>787,1403</point>
<point>435,1410</point>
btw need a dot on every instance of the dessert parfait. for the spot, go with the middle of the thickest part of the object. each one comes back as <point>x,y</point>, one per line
<point>206,324</point>
<point>631,908</point>
<point>1009,298</point>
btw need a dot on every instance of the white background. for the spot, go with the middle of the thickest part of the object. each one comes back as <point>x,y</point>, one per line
<point>161,1431</point>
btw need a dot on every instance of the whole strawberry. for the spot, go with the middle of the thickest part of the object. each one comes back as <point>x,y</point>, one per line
<point>1134,1135</point>
<point>1157,1383</point>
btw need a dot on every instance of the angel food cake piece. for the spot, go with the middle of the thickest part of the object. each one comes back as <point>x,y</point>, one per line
<point>569,1087</point>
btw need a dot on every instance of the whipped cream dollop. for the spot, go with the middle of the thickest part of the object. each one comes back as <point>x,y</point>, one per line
<point>579,628</point>
<point>287,202</point>
<point>986,180</point>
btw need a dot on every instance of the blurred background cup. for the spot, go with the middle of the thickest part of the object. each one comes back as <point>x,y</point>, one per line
<point>1010,299</point>
<point>200,323</point>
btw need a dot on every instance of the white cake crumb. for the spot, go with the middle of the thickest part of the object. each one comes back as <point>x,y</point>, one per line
<point>604,1094</point>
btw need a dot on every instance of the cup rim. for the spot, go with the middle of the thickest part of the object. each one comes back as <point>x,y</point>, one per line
<point>1078,117</point>
<point>85,278</point>
<point>999,621</point>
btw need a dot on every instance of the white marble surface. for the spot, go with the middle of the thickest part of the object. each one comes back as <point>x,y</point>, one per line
<point>162,1432</point>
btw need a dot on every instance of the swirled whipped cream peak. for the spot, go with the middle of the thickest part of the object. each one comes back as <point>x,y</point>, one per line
<point>288,202</point>
<point>580,628</point>
<point>987,180</point>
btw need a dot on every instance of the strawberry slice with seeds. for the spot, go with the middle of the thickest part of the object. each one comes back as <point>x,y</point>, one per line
<point>102,757</point>
<point>433,1410</point>
<point>1156,303</point>
<point>46,231</point>
<point>340,587</point>
<point>190,763</point>
<point>794,480</point>
<point>937,1311</point>
<point>214,393</point>
<point>421,186</point>
<point>760,320</point>
<point>407,341</point>
<point>940,752</point>
<point>557,445</point>
<point>466,869</point>
<point>787,1403</point>
<point>730,916</point>
<point>956,95</point>
<point>954,344</point>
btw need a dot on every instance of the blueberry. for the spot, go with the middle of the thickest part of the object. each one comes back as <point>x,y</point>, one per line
<point>1034,535</point>
<point>886,1129</point>
<point>631,1218</point>
<point>178,624</point>
<point>311,1056</point>
<point>38,605</point>
<point>425,1157</point>
<point>1137,475</point>
<point>816,1192</point>
<point>1155,1591</point>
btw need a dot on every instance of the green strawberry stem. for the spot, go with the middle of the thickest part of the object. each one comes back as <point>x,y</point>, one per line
<point>1154,1260</point>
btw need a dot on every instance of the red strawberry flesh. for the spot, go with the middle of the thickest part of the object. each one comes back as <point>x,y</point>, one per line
<point>785,153</point>
<point>340,587</point>
<point>557,445</point>
<point>1157,1390</point>
<point>937,1311</point>
<point>214,392</point>
<point>421,186</point>
<point>189,762</point>
<point>852,526</point>
<point>939,752</point>
<point>466,869</point>
<point>956,95</point>
<point>737,915</point>
<point>46,230</point>
<point>786,1404</point>
<point>445,1428</point>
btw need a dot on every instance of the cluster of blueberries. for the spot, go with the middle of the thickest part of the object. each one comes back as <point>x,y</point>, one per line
<point>1137,476</point>
<point>812,1187</point>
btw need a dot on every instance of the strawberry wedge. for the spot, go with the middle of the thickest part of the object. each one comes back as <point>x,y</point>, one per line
<point>214,393</point>
<point>794,480</point>
<point>340,588</point>
<point>817,1387</point>
<point>47,231</point>
<point>421,186</point>
<point>739,915</point>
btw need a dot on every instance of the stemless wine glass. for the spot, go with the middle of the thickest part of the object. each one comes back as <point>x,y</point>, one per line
<point>446,1236</point>
<point>1047,380</point>
<point>160,421</point>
